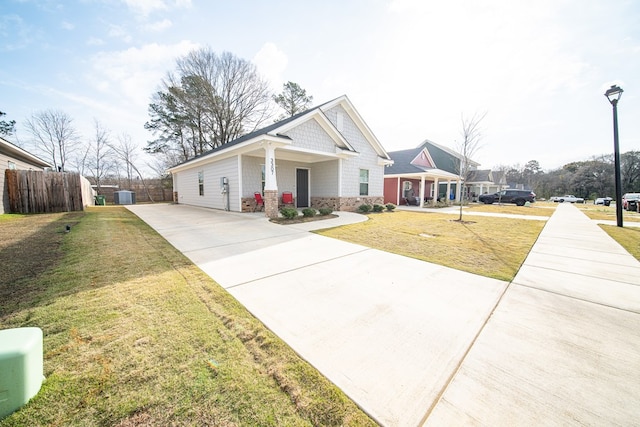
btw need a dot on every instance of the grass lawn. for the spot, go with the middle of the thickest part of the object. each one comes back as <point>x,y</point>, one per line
<point>607,212</point>
<point>134,334</point>
<point>489,246</point>
<point>537,209</point>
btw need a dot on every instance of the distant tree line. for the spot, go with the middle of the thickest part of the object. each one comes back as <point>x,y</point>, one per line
<point>588,179</point>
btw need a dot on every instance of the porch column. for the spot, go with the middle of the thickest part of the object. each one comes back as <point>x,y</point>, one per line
<point>270,182</point>
<point>421,191</point>
<point>436,191</point>
<point>448,191</point>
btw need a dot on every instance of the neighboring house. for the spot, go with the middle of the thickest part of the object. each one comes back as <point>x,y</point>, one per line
<point>14,157</point>
<point>426,173</point>
<point>485,181</point>
<point>431,172</point>
<point>326,157</point>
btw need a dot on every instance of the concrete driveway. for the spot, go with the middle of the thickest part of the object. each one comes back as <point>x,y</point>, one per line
<point>390,331</point>
<point>415,343</point>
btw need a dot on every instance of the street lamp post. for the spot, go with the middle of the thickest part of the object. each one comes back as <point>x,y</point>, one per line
<point>613,94</point>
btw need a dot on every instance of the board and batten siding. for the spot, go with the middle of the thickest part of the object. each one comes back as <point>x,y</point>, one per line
<point>367,159</point>
<point>188,186</point>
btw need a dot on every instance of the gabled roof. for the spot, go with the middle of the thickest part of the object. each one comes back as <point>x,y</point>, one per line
<point>276,131</point>
<point>402,162</point>
<point>18,153</point>
<point>443,157</point>
<point>483,175</point>
<point>402,165</point>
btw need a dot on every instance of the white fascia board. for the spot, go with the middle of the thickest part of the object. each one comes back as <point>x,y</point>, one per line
<point>384,162</point>
<point>234,150</point>
<point>24,155</point>
<point>344,154</point>
<point>360,123</point>
<point>436,173</point>
<point>426,152</point>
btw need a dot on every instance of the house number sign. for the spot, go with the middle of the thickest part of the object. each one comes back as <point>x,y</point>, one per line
<point>272,167</point>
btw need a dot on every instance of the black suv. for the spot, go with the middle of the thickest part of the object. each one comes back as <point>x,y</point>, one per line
<point>519,197</point>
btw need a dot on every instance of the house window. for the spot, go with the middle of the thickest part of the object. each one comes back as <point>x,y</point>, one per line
<point>201,183</point>
<point>11,165</point>
<point>364,182</point>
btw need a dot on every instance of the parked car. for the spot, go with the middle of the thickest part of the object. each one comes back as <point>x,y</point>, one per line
<point>630,201</point>
<point>567,198</point>
<point>519,197</point>
<point>603,201</point>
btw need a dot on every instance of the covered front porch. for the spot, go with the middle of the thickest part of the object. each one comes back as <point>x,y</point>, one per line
<point>422,188</point>
<point>286,175</point>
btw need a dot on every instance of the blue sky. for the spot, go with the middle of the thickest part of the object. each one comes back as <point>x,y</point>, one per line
<point>411,67</point>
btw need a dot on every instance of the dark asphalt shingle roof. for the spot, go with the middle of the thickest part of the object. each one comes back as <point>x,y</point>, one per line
<point>441,158</point>
<point>402,162</point>
<point>262,131</point>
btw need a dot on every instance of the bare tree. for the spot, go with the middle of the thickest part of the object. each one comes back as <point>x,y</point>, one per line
<point>209,101</point>
<point>127,152</point>
<point>471,136</point>
<point>293,99</point>
<point>98,159</point>
<point>53,135</point>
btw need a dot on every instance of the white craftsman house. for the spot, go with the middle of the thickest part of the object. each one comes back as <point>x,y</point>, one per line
<point>324,157</point>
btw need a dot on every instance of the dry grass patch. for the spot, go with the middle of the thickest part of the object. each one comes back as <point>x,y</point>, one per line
<point>489,246</point>
<point>136,335</point>
<point>607,213</point>
<point>536,209</point>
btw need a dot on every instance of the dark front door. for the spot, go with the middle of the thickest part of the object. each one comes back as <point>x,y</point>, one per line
<point>302,188</point>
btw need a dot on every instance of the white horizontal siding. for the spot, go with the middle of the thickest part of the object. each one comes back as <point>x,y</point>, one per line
<point>368,159</point>
<point>188,186</point>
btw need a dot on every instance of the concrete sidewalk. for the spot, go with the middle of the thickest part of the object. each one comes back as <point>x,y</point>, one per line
<point>563,345</point>
<point>416,343</point>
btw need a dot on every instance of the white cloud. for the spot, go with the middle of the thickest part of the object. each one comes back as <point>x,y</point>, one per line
<point>94,41</point>
<point>158,25</point>
<point>271,63</point>
<point>116,31</point>
<point>134,74</point>
<point>146,7</point>
<point>15,33</point>
<point>67,26</point>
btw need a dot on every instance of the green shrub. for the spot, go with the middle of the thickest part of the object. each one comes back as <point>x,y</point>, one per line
<point>308,212</point>
<point>378,208</point>
<point>325,211</point>
<point>289,213</point>
<point>390,207</point>
<point>364,208</point>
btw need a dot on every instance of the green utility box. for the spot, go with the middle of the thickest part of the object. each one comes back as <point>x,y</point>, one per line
<point>100,201</point>
<point>21,367</point>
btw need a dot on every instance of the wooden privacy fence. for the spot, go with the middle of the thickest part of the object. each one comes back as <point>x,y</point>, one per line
<point>43,192</point>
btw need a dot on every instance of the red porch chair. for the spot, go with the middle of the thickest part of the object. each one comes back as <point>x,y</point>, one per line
<point>259,201</point>
<point>287,198</point>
